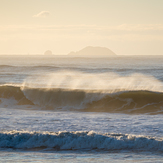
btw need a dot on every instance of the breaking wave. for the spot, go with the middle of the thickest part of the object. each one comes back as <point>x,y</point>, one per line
<point>79,140</point>
<point>130,102</point>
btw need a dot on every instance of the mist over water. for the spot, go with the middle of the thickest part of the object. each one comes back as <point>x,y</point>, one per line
<point>101,82</point>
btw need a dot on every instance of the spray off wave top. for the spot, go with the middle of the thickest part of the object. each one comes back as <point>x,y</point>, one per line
<point>102,92</point>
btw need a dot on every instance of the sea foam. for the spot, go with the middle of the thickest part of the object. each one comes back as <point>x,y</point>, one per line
<point>78,140</point>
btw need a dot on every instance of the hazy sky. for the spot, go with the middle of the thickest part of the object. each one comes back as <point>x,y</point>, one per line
<point>127,27</point>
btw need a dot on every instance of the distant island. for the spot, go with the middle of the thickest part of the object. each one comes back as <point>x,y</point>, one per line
<point>48,52</point>
<point>91,51</point>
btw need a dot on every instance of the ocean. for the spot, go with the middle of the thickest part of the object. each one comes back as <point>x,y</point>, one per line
<point>74,109</point>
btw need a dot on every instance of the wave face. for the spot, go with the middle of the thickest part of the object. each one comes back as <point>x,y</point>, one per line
<point>131,102</point>
<point>78,141</point>
<point>9,92</point>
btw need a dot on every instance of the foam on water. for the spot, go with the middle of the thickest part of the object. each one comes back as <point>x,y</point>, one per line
<point>78,141</point>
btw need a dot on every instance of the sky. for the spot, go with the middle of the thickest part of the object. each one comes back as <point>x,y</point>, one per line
<point>127,27</point>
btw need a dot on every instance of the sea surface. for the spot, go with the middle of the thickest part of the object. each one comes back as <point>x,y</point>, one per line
<point>74,109</point>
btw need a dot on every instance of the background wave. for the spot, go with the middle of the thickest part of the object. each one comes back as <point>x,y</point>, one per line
<point>130,102</point>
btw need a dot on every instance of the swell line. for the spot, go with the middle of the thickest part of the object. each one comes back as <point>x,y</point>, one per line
<point>129,102</point>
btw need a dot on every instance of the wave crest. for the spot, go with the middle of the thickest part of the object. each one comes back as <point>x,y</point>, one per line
<point>131,102</point>
<point>78,140</point>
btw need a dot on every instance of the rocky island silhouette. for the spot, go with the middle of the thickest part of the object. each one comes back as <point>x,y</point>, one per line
<point>91,51</point>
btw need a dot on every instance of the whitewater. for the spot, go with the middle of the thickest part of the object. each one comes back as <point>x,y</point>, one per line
<point>58,108</point>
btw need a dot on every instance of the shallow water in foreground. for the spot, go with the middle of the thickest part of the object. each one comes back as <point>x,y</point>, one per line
<point>27,121</point>
<point>68,156</point>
